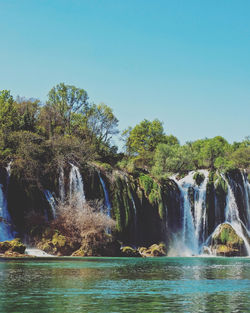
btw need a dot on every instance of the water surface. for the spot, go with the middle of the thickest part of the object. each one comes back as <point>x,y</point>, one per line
<point>125,285</point>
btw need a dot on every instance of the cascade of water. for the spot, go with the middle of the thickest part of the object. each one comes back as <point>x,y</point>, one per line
<point>37,252</point>
<point>189,239</point>
<point>6,232</point>
<point>135,216</point>
<point>193,226</point>
<point>76,185</point>
<point>51,201</point>
<point>106,195</point>
<point>232,215</point>
<point>61,185</point>
<point>200,219</point>
<point>246,186</point>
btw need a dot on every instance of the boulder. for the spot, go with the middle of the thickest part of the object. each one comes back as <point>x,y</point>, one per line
<point>129,252</point>
<point>154,250</point>
<point>12,247</point>
<point>226,242</point>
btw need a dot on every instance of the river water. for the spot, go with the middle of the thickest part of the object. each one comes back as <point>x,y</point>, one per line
<point>125,285</point>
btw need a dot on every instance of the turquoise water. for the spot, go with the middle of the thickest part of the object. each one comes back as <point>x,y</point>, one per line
<point>125,285</point>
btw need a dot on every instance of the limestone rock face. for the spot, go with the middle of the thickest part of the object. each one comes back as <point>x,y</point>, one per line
<point>226,242</point>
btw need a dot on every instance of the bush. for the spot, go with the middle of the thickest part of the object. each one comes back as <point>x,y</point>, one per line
<point>199,178</point>
<point>81,228</point>
<point>14,245</point>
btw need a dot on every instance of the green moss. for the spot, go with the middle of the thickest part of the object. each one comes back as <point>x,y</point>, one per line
<point>58,240</point>
<point>103,166</point>
<point>151,188</point>
<point>161,210</point>
<point>228,236</point>
<point>80,252</point>
<point>221,192</point>
<point>154,250</point>
<point>199,178</point>
<point>14,245</point>
<point>4,246</point>
<point>146,183</point>
<point>129,252</point>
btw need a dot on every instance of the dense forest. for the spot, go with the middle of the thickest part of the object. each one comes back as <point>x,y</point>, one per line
<point>146,190</point>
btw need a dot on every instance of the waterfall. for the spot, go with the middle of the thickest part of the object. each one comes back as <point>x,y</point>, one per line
<point>51,201</point>
<point>200,219</point>
<point>194,225</point>
<point>106,195</point>
<point>135,217</point>
<point>76,188</point>
<point>37,252</point>
<point>6,232</point>
<point>232,216</point>
<point>246,186</point>
<point>61,185</point>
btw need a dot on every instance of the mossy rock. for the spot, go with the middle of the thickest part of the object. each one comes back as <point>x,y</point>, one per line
<point>4,246</point>
<point>101,244</point>
<point>154,250</point>
<point>142,249</point>
<point>129,252</point>
<point>80,252</point>
<point>158,250</point>
<point>57,244</point>
<point>226,235</point>
<point>226,242</point>
<point>14,245</point>
<point>58,240</point>
<point>220,186</point>
<point>199,178</point>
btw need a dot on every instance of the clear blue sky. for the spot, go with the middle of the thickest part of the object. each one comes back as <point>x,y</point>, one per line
<point>186,62</point>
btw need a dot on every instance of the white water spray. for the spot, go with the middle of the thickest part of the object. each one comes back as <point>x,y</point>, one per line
<point>51,201</point>
<point>106,195</point>
<point>76,188</point>
<point>232,216</point>
<point>6,231</point>
<point>246,186</point>
<point>61,185</point>
<point>194,226</point>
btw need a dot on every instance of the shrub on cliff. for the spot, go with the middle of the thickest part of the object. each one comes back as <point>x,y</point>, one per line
<point>81,227</point>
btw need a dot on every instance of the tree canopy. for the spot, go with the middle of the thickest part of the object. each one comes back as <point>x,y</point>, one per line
<point>67,127</point>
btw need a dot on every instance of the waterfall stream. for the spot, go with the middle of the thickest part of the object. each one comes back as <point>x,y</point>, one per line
<point>6,231</point>
<point>61,185</point>
<point>232,216</point>
<point>193,230</point>
<point>51,201</point>
<point>246,186</point>
<point>76,188</point>
<point>106,195</point>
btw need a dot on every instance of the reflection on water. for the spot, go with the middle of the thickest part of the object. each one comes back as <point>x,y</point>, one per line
<point>125,285</point>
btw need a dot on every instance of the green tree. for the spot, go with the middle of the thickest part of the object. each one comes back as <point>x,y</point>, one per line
<point>142,140</point>
<point>65,100</point>
<point>102,123</point>
<point>8,114</point>
<point>169,159</point>
<point>206,151</point>
<point>28,111</point>
<point>241,157</point>
<point>144,137</point>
